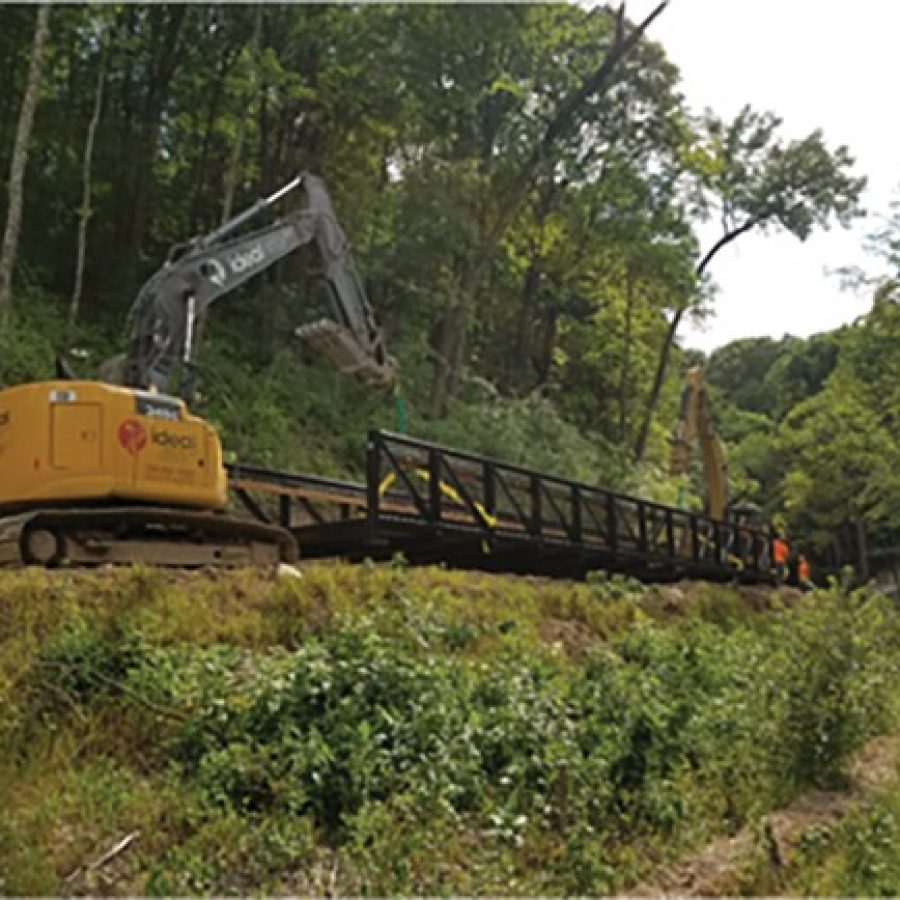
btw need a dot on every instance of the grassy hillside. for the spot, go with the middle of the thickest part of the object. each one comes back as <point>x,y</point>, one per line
<point>377,729</point>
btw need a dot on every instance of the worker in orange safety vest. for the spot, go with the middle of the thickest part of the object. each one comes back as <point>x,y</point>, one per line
<point>780,553</point>
<point>804,573</point>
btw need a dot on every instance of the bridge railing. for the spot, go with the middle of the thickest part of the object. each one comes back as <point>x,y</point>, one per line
<point>446,490</point>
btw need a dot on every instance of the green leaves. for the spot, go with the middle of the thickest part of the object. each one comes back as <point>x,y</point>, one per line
<point>748,175</point>
<point>840,445</point>
<point>425,119</point>
<point>354,720</point>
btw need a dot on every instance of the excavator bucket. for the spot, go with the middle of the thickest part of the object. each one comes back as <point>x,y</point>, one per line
<point>341,347</point>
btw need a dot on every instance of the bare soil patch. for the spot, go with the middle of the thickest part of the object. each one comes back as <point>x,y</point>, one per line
<point>717,869</point>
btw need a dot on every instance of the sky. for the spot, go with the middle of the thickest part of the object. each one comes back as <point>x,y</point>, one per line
<point>816,64</point>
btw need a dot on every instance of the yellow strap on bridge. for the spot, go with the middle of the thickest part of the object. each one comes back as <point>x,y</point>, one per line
<point>386,482</point>
<point>446,489</point>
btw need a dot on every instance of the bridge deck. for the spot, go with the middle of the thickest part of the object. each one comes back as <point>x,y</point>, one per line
<point>435,504</point>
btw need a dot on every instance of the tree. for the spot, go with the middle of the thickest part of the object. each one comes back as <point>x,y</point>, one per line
<point>840,444</point>
<point>157,33</point>
<point>738,369</point>
<point>84,212</point>
<point>770,377</point>
<point>839,459</point>
<point>562,120</point>
<point>619,252</point>
<point>744,174</point>
<point>535,250</point>
<point>20,159</point>
<point>799,372</point>
<point>234,161</point>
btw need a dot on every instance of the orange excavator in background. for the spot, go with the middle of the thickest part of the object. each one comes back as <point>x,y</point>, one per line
<point>117,469</point>
<point>695,426</point>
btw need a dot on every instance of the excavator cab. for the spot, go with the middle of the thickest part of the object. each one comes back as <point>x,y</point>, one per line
<point>70,440</point>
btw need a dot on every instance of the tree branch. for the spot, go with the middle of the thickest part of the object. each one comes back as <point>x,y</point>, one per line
<point>622,45</point>
<point>723,241</point>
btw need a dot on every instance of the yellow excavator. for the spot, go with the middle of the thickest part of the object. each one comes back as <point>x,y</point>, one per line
<point>695,426</point>
<point>117,469</point>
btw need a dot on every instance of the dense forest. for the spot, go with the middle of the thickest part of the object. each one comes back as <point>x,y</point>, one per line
<point>523,186</point>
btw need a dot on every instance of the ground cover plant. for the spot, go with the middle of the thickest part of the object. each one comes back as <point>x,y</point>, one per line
<point>379,729</point>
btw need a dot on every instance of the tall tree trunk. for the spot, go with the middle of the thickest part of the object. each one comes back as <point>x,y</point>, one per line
<point>522,346</point>
<point>626,358</point>
<point>85,211</point>
<point>201,164</point>
<point>123,66</point>
<point>9,101</point>
<point>531,288</point>
<point>543,362</point>
<point>671,332</point>
<point>449,344</point>
<point>658,378</point>
<point>201,159</point>
<point>862,548</point>
<point>19,160</point>
<point>237,150</point>
<point>167,29</point>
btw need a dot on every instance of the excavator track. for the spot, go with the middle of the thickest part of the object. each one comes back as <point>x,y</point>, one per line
<point>159,536</point>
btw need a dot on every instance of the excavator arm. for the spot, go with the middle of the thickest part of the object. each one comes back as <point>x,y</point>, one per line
<point>161,324</point>
<point>695,426</point>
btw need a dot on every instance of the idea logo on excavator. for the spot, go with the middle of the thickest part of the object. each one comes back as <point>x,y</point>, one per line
<point>175,441</point>
<point>132,436</point>
<point>240,262</point>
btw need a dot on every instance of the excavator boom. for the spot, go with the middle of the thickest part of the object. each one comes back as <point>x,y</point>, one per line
<point>695,426</point>
<point>161,322</point>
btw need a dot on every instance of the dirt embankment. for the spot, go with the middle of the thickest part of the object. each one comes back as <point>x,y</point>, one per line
<point>721,867</point>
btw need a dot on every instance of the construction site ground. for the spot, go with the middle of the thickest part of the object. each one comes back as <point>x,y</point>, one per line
<point>82,752</point>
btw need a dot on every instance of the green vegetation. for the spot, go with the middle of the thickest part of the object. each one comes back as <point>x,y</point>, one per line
<point>526,229</point>
<point>814,427</point>
<point>376,729</point>
<point>852,855</point>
